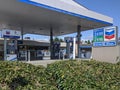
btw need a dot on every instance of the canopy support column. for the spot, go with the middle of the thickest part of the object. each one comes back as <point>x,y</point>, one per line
<point>78,39</point>
<point>22,33</point>
<point>68,50</point>
<point>51,43</point>
<point>5,49</point>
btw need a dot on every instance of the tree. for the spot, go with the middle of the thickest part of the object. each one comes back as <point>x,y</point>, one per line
<point>56,39</point>
<point>85,42</point>
<point>88,42</point>
<point>61,40</point>
<point>92,41</point>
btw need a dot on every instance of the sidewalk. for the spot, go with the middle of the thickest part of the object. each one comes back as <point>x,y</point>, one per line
<point>42,62</point>
<point>45,62</point>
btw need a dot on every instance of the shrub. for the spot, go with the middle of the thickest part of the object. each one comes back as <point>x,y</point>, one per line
<point>85,75</point>
<point>23,76</point>
<point>63,75</point>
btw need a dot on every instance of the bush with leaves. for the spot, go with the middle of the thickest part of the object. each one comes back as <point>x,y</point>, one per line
<point>63,75</point>
<point>85,75</point>
<point>23,76</point>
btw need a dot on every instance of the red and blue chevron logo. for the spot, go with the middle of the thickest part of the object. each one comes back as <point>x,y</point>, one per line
<point>109,34</point>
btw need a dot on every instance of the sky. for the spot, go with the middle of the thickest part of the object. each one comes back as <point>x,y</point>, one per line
<point>106,7</point>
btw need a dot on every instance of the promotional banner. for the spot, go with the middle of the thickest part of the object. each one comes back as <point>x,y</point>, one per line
<point>105,36</point>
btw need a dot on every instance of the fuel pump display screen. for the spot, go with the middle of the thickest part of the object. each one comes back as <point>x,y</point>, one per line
<point>11,47</point>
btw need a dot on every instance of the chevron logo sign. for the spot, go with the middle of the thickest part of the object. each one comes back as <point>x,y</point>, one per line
<point>109,34</point>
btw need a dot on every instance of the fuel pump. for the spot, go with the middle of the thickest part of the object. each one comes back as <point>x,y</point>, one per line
<point>10,44</point>
<point>69,47</point>
<point>56,50</point>
<point>11,54</point>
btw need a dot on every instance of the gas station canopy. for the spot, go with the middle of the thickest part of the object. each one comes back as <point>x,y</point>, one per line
<point>38,16</point>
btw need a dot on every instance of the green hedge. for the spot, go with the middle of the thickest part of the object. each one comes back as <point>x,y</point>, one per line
<point>23,76</point>
<point>62,75</point>
<point>85,75</point>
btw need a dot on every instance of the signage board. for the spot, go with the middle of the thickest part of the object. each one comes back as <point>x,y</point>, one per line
<point>105,37</point>
<point>110,34</point>
<point>6,33</point>
<point>19,41</point>
<point>68,39</point>
<point>11,57</point>
<point>99,35</point>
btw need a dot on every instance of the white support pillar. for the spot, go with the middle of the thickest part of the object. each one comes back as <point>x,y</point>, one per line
<point>28,55</point>
<point>74,41</point>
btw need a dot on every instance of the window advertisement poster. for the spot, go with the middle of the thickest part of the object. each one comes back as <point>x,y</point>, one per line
<point>105,37</point>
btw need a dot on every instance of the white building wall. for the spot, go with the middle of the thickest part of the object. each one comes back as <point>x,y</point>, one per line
<point>106,54</point>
